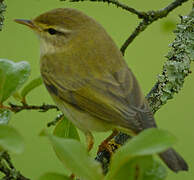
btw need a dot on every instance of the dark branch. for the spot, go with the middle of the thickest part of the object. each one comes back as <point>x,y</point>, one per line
<point>57,119</point>
<point>148,18</point>
<point>118,4</point>
<point>140,28</point>
<point>42,108</point>
<point>164,12</point>
<point>17,108</point>
<point>175,70</point>
<point>156,97</point>
<point>7,168</point>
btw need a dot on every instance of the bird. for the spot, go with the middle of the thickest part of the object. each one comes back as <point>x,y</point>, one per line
<point>87,77</point>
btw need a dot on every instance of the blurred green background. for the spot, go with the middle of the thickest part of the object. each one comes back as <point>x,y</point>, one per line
<point>145,56</point>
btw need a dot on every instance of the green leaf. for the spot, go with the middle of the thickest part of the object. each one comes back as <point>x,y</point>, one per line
<point>133,169</point>
<point>74,157</point>
<point>30,86</point>
<point>5,116</point>
<point>66,129</point>
<point>141,168</point>
<point>155,172</point>
<point>10,139</point>
<point>53,176</point>
<point>148,142</point>
<point>12,77</point>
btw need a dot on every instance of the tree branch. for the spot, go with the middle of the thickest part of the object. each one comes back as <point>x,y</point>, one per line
<point>118,4</point>
<point>2,10</point>
<point>17,108</point>
<point>140,28</point>
<point>7,168</point>
<point>177,66</point>
<point>56,120</point>
<point>169,82</point>
<point>148,18</point>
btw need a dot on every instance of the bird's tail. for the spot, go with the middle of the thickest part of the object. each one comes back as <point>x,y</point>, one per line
<point>173,160</point>
<point>170,157</point>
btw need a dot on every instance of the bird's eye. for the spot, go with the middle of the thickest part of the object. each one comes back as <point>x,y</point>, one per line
<point>52,31</point>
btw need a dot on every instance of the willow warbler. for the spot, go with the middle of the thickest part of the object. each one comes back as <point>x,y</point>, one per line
<point>87,77</point>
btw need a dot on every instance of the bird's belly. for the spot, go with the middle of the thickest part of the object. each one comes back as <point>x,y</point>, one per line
<point>81,119</point>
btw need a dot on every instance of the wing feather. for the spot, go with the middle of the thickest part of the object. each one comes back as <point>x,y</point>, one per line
<point>111,98</point>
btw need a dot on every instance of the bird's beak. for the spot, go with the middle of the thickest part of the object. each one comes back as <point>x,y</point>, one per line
<point>28,23</point>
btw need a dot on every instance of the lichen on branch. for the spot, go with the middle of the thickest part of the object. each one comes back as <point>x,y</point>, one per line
<point>169,82</point>
<point>177,66</point>
<point>2,10</point>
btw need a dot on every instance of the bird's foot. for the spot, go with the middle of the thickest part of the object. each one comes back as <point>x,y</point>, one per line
<point>108,143</point>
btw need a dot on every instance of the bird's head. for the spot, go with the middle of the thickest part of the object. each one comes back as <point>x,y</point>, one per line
<point>59,26</point>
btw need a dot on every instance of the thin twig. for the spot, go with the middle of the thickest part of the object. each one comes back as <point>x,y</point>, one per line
<point>17,108</point>
<point>170,7</point>
<point>7,168</point>
<point>42,108</point>
<point>118,4</point>
<point>140,28</point>
<point>149,18</point>
<point>56,120</point>
<point>7,158</point>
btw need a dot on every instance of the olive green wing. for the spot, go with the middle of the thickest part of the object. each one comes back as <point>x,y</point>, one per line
<point>115,98</point>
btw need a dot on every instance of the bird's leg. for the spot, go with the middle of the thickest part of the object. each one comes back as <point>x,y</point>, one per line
<point>89,140</point>
<point>104,144</point>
